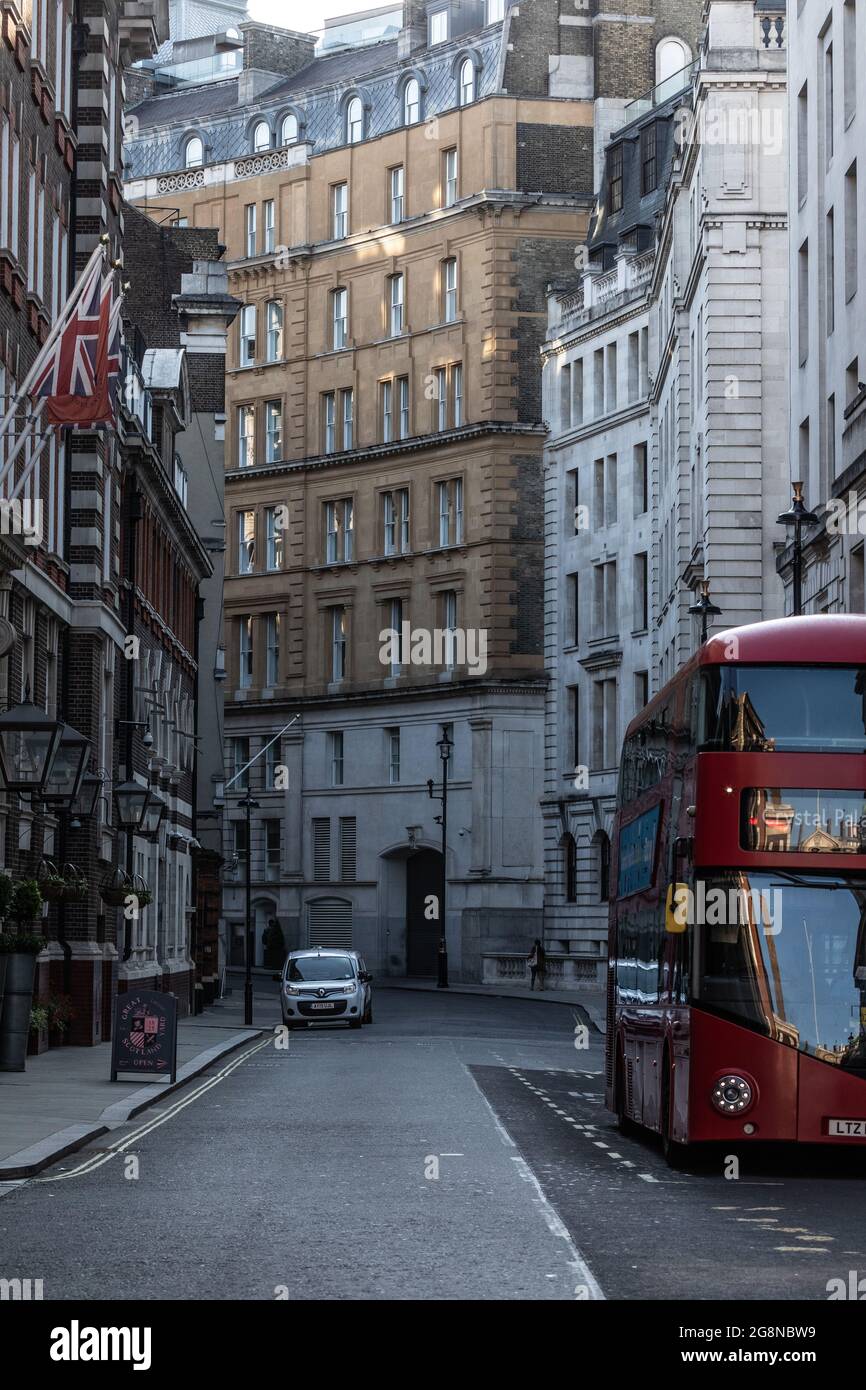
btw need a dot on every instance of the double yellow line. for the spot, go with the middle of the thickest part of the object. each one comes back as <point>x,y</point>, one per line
<point>91,1164</point>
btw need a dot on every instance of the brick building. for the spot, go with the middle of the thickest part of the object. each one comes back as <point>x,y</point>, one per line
<point>180,307</point>
<point>384,458</point>
<point>67,602</point>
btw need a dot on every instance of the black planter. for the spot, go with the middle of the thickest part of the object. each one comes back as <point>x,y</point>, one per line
<point>15,1015</point>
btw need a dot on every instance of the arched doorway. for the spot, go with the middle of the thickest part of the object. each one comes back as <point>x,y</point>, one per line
<point>423,881</point>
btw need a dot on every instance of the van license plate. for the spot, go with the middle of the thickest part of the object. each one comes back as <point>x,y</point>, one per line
<point>848,1129</point>
<point>321,1006</point>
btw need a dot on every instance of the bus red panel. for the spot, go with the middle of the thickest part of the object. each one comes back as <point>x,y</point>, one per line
<point>827,1093</point>
<point>719,1048</point>
<point>722,777</point>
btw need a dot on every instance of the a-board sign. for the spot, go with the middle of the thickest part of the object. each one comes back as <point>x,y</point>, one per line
<point>145,1034</point>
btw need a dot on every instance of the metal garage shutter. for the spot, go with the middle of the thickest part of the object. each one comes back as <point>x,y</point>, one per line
<point>329,923</point>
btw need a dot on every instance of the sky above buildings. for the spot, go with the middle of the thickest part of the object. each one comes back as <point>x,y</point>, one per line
<point>306,15</point>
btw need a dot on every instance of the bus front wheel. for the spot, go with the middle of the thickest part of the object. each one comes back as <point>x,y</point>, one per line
<point>675,1154</point>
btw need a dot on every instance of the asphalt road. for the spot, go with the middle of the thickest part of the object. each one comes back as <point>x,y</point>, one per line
<point>456,1149</point>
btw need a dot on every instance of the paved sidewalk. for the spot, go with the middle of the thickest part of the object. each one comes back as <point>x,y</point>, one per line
<point>65,1098</point>
<point>590,1002</point>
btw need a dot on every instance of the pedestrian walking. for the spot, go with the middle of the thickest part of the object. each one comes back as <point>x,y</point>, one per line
<point>536,965</point>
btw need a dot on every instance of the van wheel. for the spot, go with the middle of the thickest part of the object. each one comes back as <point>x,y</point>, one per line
<point>676,1154</point>
<point>369,1015</point>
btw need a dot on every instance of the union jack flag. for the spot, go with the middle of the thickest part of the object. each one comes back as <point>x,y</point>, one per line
<point>94,352</point>
<point>70,368</point>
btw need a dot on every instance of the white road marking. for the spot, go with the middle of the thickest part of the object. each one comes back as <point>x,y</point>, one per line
<point>91,1164</point>
<point>557,1227</point>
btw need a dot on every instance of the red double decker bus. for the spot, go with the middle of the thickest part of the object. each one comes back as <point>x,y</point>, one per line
<point>737,952</point>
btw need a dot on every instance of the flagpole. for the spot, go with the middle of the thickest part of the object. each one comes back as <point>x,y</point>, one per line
<point>32,462</point>
<point>56,329</point>
<point>20,442</point>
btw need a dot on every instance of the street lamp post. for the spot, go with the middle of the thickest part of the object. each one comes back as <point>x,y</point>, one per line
<point>66,794</point>
<point>29,741</point>
<point>704,608</point>
<point>798,516</point>
<point>63,782</point>
<point>130,801</point>
<point>249,805</point>
<point>445,746</point>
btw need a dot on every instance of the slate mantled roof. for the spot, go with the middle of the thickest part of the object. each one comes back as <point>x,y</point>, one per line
<point>159,125</point>
<point>351,65</point>
<point>187,103</point>
<point>217,98</point>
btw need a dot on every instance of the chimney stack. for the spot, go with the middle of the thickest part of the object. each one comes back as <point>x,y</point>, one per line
<point>413,35</point>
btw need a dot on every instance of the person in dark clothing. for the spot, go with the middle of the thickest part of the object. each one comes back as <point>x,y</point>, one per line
<point>536,964</point>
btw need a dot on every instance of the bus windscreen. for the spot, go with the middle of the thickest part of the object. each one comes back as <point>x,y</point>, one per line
<point>785,954</point>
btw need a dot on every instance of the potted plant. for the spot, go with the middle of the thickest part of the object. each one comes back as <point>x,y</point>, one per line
<point>60,1015</point>
<point>5,901</point>
<point>6,889</point>
<point>25,903</point>
<point>21,948</point>
<point>38,1041</point>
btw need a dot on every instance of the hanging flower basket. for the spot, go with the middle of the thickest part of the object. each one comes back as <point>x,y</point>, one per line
<point>115,888</point>
<point>52,884</point>
<point>141,891</point>
<point>75,885</point>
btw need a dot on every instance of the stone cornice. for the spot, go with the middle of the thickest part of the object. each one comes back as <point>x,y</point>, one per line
<point>417,444</point>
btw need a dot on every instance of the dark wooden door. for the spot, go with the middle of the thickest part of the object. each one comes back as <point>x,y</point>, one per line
<point>423,881</point>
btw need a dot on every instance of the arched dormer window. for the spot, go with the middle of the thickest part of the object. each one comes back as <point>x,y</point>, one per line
<point>193,152</point>
<point>354,121</point>
<point>412,102</point>
<point>672,55</point>
<point>467,82</point>
<point>290,130</point>
<point>261,137</point>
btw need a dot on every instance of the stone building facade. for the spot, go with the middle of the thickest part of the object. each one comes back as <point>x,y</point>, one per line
<point>827,129</point>
<point>673,448</point>
<point>394,213</point>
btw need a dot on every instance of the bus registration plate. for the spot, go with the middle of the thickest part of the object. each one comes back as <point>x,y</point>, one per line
<point>848,1129</point>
